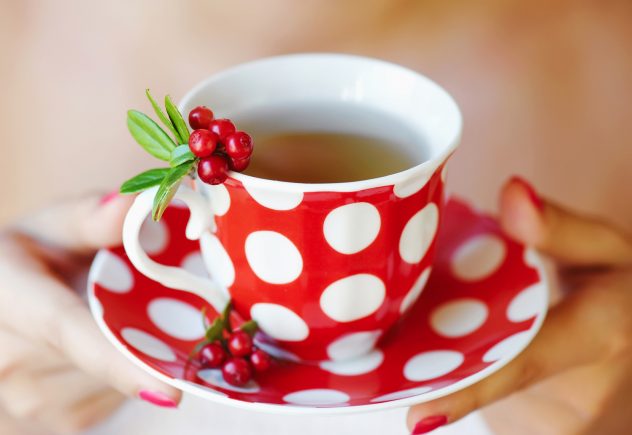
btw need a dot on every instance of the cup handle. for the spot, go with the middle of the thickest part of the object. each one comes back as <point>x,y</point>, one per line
<point>173,277</point>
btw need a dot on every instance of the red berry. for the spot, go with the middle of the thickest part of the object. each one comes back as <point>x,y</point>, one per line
<point>240,343</point>
<point>222,127</point>
<point>236,371</point>
<point>212,355</point>
<point>213,169</point>
<point>203,142</point>
<point>260,360</point>
<point>238,165</point>
<point>200,117</point>
<point>238,145</point>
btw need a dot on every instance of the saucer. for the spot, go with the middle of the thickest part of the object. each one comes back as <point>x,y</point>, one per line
<point>484,301</point>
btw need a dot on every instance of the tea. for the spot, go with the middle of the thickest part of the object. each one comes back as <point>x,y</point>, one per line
<point>322,157</point>
<point>328,143</point>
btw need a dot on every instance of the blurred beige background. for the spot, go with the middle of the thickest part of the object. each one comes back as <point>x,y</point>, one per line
<point>544,86</point>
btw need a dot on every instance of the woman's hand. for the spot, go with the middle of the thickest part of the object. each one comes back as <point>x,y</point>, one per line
<point>56,367</point>
<point>588,333</point>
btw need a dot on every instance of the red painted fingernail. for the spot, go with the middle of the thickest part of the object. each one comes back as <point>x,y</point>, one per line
<point>429,424</point>
<point>533,195</point>
<point>157,398</point>
<point>109,197</point>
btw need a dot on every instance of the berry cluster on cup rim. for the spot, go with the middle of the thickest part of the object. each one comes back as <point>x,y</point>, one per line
<point>218,144</point>
<point>214,147</point>
<point>232,350</point>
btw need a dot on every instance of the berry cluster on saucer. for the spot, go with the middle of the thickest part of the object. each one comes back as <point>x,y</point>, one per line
<point>231,350</point>
<point>214,148</point>
<point>218,144</point>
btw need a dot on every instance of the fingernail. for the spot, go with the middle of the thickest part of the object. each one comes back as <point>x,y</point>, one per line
<point>109,197</point>
<point>429,424</point>
<point>157,398</point>
<point>533,195</point>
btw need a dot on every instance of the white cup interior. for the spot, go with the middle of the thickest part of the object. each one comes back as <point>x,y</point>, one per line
<point>429,116</point>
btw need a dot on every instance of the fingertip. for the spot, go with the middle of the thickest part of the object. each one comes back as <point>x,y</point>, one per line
<point>103,225</point>
<point>528,188</point>
<point>108,197</point>
<point>429,424</point>
<point>425,416</point>
<point>521,211</point>
<point>170,399</point>
<point>137,383</point>
<point>115,201</point>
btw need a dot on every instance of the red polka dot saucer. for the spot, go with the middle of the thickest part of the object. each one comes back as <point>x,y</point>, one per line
<point>485,300</point>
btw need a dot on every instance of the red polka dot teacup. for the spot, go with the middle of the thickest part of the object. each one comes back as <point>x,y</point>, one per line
<point>324,269</point>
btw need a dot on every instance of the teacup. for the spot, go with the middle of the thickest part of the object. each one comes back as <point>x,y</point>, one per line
<point>324,269</point>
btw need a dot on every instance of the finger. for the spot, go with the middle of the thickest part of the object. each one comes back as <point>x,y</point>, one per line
<point>550,352</point>
<point>87,412</point>
<point>568,237</point>
<point>81,225</point>
<point>39,385</point>
<point>45,311</point>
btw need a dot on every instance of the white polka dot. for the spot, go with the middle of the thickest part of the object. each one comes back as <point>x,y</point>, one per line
<point>279,322</point>
<point>148,344</point>
<point>194,263</point>
<point>430,365</point>
<point>419,233</point>
<point>509,347</point>
<point>274,199</point>
<point>357,366</point>
<point>403,394</point>
<point>353,297</point>
<point>528,303</point>
<point>459,317</point>
<point>178,319</point>
<point>412,185</point>
<point>273,257</point>
<point>177,203</point>
<point>154,236</point>
<point>316,397</point>
<point>414,292</point>
<point>353,345</point>
<point>214,377</point>
<point>444,173</point>
<point>353,227</point>
<point>276,352</point>
<point>479,257</point>
<point>220,199</point>
<point>217,260</point>
<point>111,273</point>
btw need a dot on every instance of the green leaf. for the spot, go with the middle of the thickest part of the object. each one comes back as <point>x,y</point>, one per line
<point>168,188</point>
<point>250,327</point>
<point>215,332</point>
<point>180,155</point>
<point>226,316</point>
<point>177,119</point>
<point>143,181</point>
<point>165,120</point>
<point>149,135</point>
<point>204,319</point>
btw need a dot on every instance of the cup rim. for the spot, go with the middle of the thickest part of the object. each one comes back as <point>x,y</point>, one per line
<point>344,186</point>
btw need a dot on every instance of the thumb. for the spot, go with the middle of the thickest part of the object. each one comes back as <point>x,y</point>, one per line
<point>550,352</point>
<point>82,225</point>
<point>41,308</point>
<point>567,236</point>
